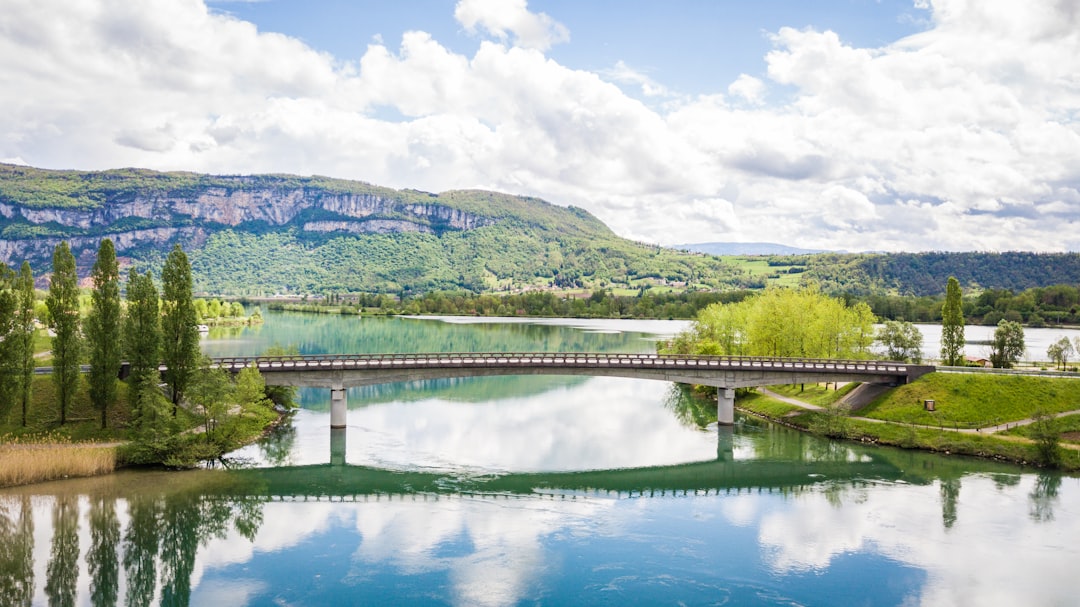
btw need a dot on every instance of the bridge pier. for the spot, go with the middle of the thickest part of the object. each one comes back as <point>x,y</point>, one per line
<point>338,407</point>
<point>725,406</point>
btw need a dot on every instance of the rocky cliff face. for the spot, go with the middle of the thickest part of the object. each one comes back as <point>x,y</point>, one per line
<point>231,209</point>
<point>164,219</point>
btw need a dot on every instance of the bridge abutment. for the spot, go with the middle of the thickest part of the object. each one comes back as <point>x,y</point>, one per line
<point>725,406</point>
<point>338,407</point>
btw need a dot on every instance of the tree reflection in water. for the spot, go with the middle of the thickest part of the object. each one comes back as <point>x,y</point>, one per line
<point>16,552</point>
<point>102,561</point>
<point>141,548</point>
<point>1043,496</point>
<point>62,572</point>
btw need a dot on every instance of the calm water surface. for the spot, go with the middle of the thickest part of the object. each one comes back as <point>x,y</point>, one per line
<point>538,490</point>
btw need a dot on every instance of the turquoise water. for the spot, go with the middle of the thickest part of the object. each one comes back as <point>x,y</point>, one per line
<point>539,491</point>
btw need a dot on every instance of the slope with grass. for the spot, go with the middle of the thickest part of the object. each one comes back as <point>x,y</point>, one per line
<point>963,402</point>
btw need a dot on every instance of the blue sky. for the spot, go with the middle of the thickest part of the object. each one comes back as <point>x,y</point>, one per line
<point>836,124</point>
<point>690,46</point>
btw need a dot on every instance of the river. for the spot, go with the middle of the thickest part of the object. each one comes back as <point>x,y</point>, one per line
<point>538,490</point>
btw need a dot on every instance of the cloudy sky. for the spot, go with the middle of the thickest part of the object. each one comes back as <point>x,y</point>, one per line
<point>838,124</point>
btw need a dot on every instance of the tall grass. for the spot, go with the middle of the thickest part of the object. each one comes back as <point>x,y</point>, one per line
<point>24,461</point>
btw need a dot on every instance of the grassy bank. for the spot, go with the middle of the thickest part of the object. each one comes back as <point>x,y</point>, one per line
<point>975,400</point>
<point>966,401</point>
<point>45,450</point>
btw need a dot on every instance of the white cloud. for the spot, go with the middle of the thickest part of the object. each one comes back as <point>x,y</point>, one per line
<point>503,18</point>
<point>748,88</point>
<point>965,136</point>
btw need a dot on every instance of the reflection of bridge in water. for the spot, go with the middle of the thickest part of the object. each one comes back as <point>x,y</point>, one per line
<point>360,483</point>
<point>339,372</point>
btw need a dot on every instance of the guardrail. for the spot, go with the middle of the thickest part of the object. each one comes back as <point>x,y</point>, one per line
<point>1018,372</point>
<point>556,359</point>
<point>550,359</point>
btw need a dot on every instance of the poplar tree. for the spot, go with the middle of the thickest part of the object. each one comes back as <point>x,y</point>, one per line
<point>142,345</point>
<point>9,366</point>
<point>24,318</point>
<point>63,304</point>
<point>180,330</point>
<point>952,325</point>
<point>102,329</point>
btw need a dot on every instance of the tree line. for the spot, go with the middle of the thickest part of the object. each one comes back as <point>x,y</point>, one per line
<point>145,327</point>
<point>148,331</point>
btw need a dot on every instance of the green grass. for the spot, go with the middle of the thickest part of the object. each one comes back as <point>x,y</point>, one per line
<point>815,394</point>
<point>83,421</point>
<point>910,437</point>
<point>767,407</point>
<point>759,266</point>
<point>974,400</point>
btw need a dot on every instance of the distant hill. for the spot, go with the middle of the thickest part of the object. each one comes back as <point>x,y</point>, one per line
<point>266,234</point>
<point>927,273</point>
<point>744,248</point>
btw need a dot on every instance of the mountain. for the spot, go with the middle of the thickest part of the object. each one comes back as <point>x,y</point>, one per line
<point>265,234</point>
<point>744,248</point>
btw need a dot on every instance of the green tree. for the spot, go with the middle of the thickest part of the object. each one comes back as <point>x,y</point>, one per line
<point>1060,351</point>
<point>142,346</point>
<point>780,322</point>
<point>142,324</point>
<point>102,328</point>
<point>902,340</point>
<point>1008,344</point>
<point>10,370</point>
<point>211,392</point>
<point>237,309</point>
<point>25,327</point>
<point>63,304</point>
<point>250,388</point>
<point>952,325</point>
<point>180,329</point>
<point>1045,433</point>
<point>282,396</point>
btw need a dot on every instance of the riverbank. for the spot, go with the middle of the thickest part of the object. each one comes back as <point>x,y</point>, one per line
<point>1007,419</point>
<point>44,450</point>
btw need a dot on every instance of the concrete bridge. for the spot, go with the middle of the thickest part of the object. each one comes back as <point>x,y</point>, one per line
<point>339,372</point>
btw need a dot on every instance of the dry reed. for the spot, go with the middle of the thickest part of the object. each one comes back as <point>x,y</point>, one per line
<point>25,461</point>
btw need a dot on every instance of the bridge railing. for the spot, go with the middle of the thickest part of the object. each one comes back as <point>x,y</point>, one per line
<point>549,359</point>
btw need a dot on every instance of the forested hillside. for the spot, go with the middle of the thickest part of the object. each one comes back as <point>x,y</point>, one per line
<point>922,274</point>
<point>266,234</point>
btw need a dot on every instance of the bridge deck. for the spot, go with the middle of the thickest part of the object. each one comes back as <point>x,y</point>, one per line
<point>564,359</point>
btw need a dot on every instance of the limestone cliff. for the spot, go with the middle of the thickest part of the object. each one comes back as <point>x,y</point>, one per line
<point>40,208</point>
